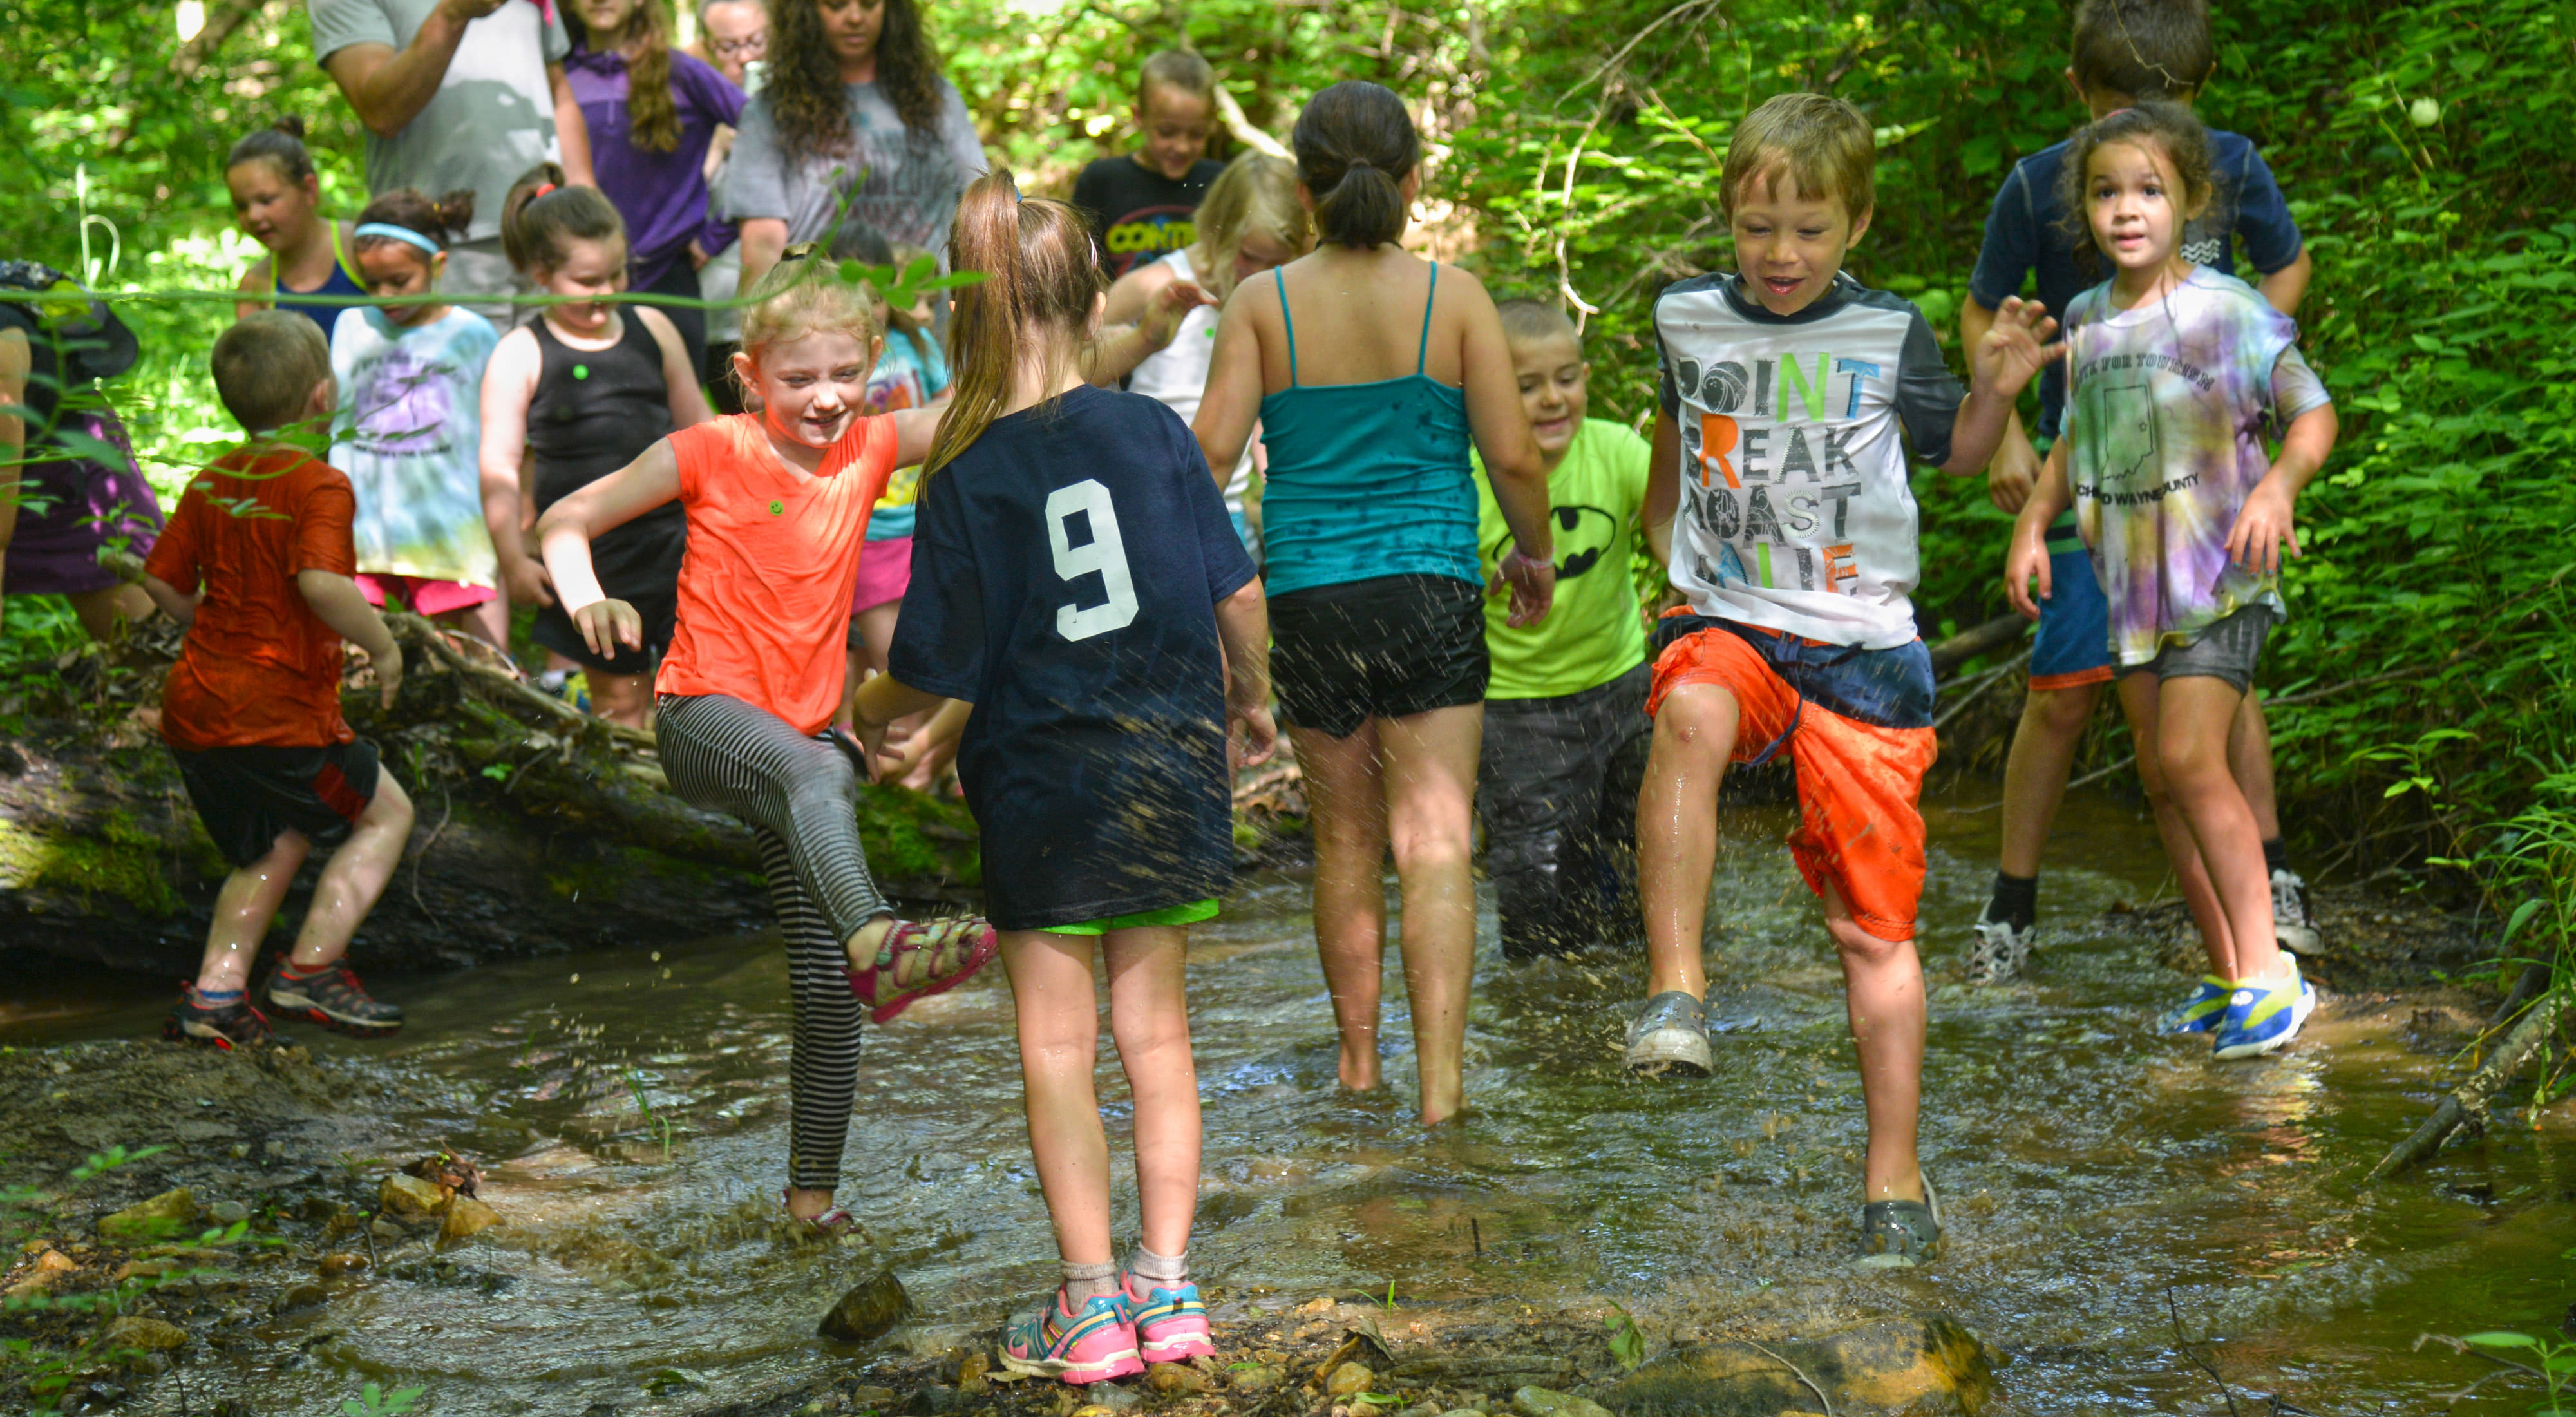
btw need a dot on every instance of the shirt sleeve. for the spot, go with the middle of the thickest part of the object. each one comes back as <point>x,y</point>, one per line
<point>2272,239</point>
<point>939,641</point>
<point>1927,394</point>
<point>323,518</point>
<point>552,41</point>
<point>1667,393</point>
<point>337,24</point>
<point>173,559</point>
<point>709,89</point>
<point>2011,247</point>
<point>1633,462</point>
<point>755,178</point>
<point>2296,389</point>
<point>957,130</point>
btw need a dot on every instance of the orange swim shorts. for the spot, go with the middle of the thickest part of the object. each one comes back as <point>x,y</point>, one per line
<point>1857,725</point>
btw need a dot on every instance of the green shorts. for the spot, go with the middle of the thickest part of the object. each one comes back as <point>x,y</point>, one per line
<point>1189,914</point>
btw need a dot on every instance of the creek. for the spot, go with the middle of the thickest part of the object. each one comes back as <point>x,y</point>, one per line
<point>2088,1170</point>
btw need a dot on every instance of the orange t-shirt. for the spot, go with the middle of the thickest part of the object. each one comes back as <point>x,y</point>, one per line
<point>259,668</point>
<point>773,557</point>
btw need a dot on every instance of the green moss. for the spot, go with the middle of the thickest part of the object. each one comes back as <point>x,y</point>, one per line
<point>122,861</point>
<point>914,836</point>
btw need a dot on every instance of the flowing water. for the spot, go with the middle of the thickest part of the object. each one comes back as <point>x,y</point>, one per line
<point>2097,1180</point>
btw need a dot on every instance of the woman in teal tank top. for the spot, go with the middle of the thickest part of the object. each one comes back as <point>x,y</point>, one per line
<point>1370,371</point>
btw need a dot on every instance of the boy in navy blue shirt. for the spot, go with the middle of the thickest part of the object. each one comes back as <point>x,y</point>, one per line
<point>2123,51</point>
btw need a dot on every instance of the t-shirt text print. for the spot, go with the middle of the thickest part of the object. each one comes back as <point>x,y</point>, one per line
<point>1795,513</point>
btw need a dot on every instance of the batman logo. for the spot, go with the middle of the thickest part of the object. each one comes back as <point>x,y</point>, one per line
<point>1583,536</point>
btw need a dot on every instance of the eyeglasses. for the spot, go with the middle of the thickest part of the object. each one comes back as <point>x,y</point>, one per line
<point>751,46</point>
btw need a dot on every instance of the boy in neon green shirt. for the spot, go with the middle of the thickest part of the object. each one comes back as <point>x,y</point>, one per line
<point>1565,725</point>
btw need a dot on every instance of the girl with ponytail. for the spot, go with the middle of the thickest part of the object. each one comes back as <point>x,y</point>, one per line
<point>277,202</point>
<point>1075,579</point>
<point>1367,409</point>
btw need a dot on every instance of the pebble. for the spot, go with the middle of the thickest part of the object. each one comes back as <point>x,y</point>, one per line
<point>228,1212</point>
<point>1260,1378</point>
<point>1353,1378</point>
<point>152,1219</point>
<point>1175,1379</point>
<point>1113,1397</point>
<point>411,1197</point>
<point>1547,1402</point>
<point>133,1331</point>
<point>333,1266</point>
<point>868,1310</point>
<point>299,1296</point>
<point>466,1218</point>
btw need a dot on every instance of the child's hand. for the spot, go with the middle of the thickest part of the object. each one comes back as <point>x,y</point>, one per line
<point>2027,558</point>
<point>2013,473</point>
<point>606,624</point>
<point>2261,530</point>
<point>1162,317</point>
<point>530,582</point>
<point>389,671</point>
<point>2015,349</point>
<point>121,563</point>
<point>1533,587</point>
<point>1251,736</point>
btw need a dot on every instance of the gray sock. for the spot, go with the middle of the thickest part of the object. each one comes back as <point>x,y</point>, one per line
<point>1088,1281</point>
<point>1169,1269</point>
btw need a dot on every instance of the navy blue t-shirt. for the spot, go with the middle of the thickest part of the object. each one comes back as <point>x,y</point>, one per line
<point>2025,231</point>
<point>1065,574</point>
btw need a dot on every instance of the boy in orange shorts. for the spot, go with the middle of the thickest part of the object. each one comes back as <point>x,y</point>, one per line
<point>1790,394</point>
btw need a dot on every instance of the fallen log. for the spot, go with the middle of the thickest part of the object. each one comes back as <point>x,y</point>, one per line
<point>1966,645</point>
<point>2466,1105</point>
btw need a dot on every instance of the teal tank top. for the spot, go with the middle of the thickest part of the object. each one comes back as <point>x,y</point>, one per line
<point>1366,479</point>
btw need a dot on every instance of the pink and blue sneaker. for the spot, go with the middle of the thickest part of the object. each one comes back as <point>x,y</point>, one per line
<point>1171,1323</point>
<point>1094,1345</point>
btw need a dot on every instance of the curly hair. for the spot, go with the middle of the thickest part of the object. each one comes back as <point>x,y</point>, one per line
<point>804,90</point>
<point>2172,130</point>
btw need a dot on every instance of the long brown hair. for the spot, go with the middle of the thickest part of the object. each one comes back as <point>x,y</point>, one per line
<point>652,116</point>
<point>1041,270</point>
<point>1354,144</point>
<point>804,89</point>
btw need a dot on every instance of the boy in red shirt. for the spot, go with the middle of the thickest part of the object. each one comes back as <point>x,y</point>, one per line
<point>257,563</point>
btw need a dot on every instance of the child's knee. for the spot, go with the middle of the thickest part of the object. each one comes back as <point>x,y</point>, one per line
<point>1862,950</point>
<point>2062,713</point>
<point>1699,719</point>
<point>1429,846</point>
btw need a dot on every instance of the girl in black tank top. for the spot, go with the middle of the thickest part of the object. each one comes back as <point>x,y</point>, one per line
<point>594,412</point>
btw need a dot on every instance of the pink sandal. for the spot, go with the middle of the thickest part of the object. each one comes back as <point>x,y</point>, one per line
<point>931,937</point>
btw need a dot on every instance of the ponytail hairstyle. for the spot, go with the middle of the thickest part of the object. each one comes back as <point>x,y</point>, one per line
<point>543,212</point>
<point>440,221</point>
<point>2162,125</point>
<point>1354,145</point>
<point>652,115</point>
<point>804,91</point>
<point>858,241</point>
<point>1041,272</point>
<point>792,300</point>
<point>280,144</point>
<point>1255,193</point>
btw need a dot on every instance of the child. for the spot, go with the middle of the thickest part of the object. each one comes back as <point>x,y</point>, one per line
<point>2124,50</point>
<point>1141,203</point>
<point>1251,222</point>
<point>1366,410</point>
<point>2174,369</point>
<point>252,709</point>
<point>410,384</point>
<point>277,202</point>
<point>1790,394</point>
<point>653,115</point>
<point>587,387</point>
<point>1096,760</point>
<point>778,504</point>
<point>1565,727</point>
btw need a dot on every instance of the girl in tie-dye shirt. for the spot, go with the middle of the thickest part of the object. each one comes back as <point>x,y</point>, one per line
<point>2175,374</point>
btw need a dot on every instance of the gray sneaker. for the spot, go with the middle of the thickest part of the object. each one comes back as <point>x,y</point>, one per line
<point>1998,951</point>
<point>2292,925</point>
<point>1900,1234</point>
<point>1669,1035</point>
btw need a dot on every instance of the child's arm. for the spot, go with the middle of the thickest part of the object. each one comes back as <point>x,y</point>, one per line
<point>338,603</point>
<point>2285,287</point>
<point>2015,468</point>
<point>2012,353</point>
<point>2263,526</point>
<point>933,741</point>
<point>915,429</point>
<point>1115,355</point>
<point>1231,403</point>
<point>1243,623</point>
<point>169,599</point>
<point>2026,555</point>
<point>688,401</point>
<point>509,384</point>
<point>565,531</point>
<point>1514,467</point>
<point>881,701</point>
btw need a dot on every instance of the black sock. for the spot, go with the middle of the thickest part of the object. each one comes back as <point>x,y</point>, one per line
<point>2015,901</point>
<point>2276,857</point>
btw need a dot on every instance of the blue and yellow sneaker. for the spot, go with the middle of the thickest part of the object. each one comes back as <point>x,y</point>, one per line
<point>2261,1017</point>
<point>2201,1012</point>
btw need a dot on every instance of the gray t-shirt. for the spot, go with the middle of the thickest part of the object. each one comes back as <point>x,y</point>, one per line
<point>908,183</point>
<point>493,116</point>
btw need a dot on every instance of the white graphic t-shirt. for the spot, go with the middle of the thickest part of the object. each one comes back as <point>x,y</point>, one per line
<point>1796,515</point>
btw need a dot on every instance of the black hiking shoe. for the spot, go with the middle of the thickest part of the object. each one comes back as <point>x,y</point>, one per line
<point>229,1026</point>
<point>1900,1234</point>
<point>333,999</point>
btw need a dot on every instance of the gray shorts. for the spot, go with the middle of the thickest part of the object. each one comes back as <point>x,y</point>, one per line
<point>2226,650</point>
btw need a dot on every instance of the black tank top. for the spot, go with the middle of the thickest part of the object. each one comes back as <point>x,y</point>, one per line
<point>595,411</point>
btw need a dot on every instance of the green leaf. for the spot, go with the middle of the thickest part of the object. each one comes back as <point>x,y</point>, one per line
<point>2501,1340</point>
<point>2521,916</point>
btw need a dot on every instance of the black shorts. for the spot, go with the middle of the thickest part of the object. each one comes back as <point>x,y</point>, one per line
<point>556,631</point>
<point>1387,647</point>
<point>248,797</point>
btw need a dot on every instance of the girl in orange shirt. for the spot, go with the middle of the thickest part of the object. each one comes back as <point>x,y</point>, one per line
<point>777,505</point>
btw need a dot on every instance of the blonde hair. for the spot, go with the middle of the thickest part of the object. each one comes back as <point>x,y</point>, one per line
<point>267,365</point>
<point>1822,144</point>
<point>1180,70</point>
<point>796,298</point>
<point>1255,193</point>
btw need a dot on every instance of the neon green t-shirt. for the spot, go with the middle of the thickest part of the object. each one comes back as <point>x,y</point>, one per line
<point>1594,633</point>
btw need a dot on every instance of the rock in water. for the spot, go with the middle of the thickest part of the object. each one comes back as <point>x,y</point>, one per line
<point>1348,1379</point>
<point>1545,1402</point>
<point>866,1312</point>
<point>467,1218</point>
<point>134,1332</point>
<point>1926,1365</point>
<point>156,1219</point>
<point>1176,1379</point>
<point>411,1197</point>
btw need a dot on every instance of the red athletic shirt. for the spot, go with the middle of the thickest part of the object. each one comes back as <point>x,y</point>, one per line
<point>773,556</point>
<point>259,668</point>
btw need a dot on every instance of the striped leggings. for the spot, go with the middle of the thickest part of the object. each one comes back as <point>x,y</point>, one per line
<point>797,794</point>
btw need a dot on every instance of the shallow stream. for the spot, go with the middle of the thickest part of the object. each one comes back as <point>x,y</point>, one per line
<point>2088,1170</point>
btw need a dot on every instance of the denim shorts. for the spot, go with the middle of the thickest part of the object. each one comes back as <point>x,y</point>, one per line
<point>2228,649</point>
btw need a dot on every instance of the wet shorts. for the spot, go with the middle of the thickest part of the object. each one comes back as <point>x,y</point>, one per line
<point>1857,724</point>
<point>2074,643</point>
<point>661,614</point>
<point>885,573</point>
<point>422,597</point>
<point>247,797</point>
<point>2226,650</point>
<point>1386,647</point>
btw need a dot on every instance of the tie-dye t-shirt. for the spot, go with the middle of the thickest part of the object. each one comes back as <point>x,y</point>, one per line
<point>409,434</point>
<point>2164,435</point>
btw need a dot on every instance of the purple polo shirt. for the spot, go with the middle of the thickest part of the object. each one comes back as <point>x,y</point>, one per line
<point>662,196</point>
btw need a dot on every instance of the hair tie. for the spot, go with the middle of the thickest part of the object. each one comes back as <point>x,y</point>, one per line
<point>1355,164</point>
<point>402,234</point>
<point>542,189</point>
